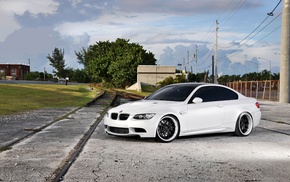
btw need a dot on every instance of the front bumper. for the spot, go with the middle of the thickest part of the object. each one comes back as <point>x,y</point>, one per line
<point>131,127</point>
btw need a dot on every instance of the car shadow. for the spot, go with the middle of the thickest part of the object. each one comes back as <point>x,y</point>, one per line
<point>182,138</point>
<point>206,136</point>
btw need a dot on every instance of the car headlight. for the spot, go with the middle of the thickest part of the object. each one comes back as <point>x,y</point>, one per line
<point>107,114</point>
<point>144,116</point>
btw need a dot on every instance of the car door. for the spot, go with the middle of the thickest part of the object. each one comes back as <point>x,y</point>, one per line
<point>208,115</point>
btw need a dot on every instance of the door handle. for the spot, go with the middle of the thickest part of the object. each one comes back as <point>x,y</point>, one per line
<point>182,112</point>
<point>220,106</point>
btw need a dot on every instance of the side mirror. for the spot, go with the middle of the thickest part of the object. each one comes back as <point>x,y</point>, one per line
<point>197,100</point>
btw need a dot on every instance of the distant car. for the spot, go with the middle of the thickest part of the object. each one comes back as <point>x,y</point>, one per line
<point>185,109</point>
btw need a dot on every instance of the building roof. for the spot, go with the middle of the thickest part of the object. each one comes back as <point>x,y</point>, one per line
<point>20,64</point>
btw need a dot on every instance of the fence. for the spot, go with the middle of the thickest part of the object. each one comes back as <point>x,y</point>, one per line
<point>262,90</point>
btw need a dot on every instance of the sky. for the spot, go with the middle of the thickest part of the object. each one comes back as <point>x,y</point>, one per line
<point>181,33</point>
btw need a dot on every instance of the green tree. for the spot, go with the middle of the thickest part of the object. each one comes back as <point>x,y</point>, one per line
<point>35,75</point>
<point>276,76</point>
<point>167,81</point>
<point>79,76</point>
<point>57,61</point>
<point>265,75</point>
<point>199,77</point>
<point>114,63</point>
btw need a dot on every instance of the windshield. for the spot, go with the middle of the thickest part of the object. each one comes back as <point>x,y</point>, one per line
<point>172,93</point>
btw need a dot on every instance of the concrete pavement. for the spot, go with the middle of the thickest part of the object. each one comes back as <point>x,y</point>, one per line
<point>275,111</point>
<point>275,116</point>
<point>262,156</point>
<point>37,157</point>
<point>15,127</point>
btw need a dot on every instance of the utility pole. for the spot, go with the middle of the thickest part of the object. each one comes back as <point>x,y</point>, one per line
<point>285,54</point>
<point>188,58</point>
<point>212,67</point>
<point>195,56</point>
<point>44,73</point>
<point>184,63</point>
<point>216,52</point>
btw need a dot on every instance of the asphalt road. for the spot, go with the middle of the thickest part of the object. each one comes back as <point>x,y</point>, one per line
<point>262,156</point>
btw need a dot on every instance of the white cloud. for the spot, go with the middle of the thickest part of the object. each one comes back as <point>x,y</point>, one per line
<point>177,6</point>
<point>75,2</point>
<point>118,25</point>
<point>10,8</point>
<point>7,26</point>
<point>32,6</point>
<point>154,24</point>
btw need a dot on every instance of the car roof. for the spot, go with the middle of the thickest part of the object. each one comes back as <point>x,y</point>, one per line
<point>197,84</point>
<point>189,84</point>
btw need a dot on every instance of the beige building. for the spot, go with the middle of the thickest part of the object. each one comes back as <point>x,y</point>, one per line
<point>152,74</point>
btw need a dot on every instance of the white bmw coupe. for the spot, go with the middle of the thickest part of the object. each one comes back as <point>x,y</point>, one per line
<point>185,109</point>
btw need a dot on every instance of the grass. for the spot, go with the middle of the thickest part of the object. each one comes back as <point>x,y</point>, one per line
<point>5,148</point>
<point>15,98</point>
<point>148,88</point>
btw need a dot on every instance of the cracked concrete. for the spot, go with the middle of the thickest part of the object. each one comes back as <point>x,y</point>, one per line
<point>262,156</point>
<point>37,157</point>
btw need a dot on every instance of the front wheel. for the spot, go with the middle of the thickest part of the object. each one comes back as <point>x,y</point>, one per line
<point>244,125</point>
<point>167,129</point>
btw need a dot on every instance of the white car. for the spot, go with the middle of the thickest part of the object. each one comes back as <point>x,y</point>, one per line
<point>185,109</point>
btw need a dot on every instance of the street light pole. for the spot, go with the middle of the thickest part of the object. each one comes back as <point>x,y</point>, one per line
<point>216,54</point>
<point>255,64</point>
<point>270,66</point>
<point>246,71</point>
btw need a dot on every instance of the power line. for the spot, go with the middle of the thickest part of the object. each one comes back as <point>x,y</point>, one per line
<point>234,12</point>
<point>272,12</point>
<point>241,43</point>
<point>250,33</point>
<point>265,36</point>
<point>268,15</point>
<point>225,9</point>
<point>211,31</point>
<point>255,34</point>
<point>247,14</point>
<point>209,54</point>
<point>210,36</point>
<point>256,41</point>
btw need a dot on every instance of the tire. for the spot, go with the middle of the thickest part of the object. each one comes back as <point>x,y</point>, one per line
<point>167,129</point>
<point>244,125</point>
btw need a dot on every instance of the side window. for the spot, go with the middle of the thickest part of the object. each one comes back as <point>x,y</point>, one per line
<point>206,93</point>
<point>226,94</point>
<point>214,93</point>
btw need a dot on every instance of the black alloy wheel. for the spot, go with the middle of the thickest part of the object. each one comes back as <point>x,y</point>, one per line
<point>167,129</point>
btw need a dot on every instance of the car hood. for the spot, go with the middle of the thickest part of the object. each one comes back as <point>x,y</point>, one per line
<point>146,106</point>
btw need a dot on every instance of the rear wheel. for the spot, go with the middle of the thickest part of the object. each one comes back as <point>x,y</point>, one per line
<point>167,129</point>
<point>244,125</point>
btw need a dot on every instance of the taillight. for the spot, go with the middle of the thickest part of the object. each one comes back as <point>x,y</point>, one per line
<point>257,105</point>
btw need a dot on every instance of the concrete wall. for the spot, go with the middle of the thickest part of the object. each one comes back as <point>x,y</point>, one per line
<point>152,74</point>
